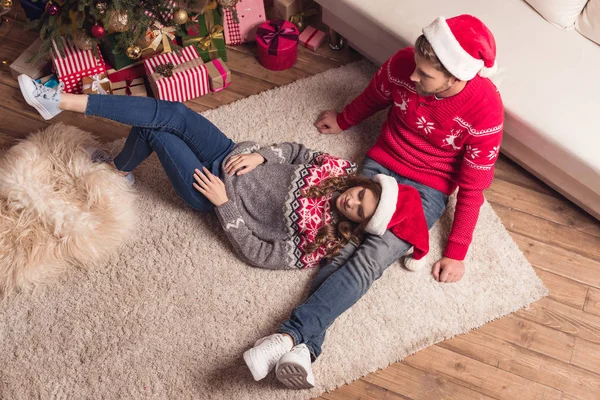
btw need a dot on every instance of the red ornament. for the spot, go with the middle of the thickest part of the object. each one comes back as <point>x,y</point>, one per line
<point>52,9</point>
<point>97,31</point>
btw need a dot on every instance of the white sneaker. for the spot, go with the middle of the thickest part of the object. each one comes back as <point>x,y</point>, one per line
<point>263,357</point>
<point>294,369</point>
<point>42,98</point>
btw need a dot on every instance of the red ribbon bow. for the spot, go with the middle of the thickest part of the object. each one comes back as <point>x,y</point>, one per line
<point>272,37</point>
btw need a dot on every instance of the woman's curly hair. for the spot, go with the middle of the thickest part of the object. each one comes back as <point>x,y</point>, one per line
<point>336,236</point>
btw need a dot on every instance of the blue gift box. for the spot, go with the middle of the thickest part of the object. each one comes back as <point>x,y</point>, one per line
<point>34,10</point>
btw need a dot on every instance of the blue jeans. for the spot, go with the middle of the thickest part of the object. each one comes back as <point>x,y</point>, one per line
<point>182,139</point>
<point>342,282</point>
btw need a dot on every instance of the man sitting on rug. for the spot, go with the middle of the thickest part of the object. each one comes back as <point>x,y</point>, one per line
<point>443,131</point>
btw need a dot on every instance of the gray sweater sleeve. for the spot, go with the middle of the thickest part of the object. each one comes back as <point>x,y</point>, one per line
<point>286,153</point>
<point>257,252</point>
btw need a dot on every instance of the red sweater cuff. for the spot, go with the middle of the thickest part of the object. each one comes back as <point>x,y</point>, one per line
<point>456,251</point>
<point>342,122</point>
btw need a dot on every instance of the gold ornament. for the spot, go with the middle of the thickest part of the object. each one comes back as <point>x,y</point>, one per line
<point>134,52</point>
<point>118,21</point>
<point>7,3</point>
<point>101,7</point>
<point>82,41</point>
<point>180,16</point>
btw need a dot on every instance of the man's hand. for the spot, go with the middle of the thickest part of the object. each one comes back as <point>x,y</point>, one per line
<point>211,186</point>
<point>327,122</point>
<point>243,163</point>
<point>448,270</point>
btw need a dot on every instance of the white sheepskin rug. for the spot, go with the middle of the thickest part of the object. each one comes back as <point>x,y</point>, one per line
<point>58,209</point>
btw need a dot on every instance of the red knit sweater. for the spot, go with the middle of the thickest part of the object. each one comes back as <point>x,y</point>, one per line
<point>442,143</point>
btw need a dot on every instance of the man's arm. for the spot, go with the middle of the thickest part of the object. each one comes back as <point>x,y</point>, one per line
<point>376,97</point>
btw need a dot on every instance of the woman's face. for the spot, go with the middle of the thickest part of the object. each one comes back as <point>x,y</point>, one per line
<point>358,204</point>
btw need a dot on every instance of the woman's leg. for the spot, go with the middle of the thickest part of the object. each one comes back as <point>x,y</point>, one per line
<point>206,141</point>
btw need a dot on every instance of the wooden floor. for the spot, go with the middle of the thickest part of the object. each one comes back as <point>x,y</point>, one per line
<point>549,351</point>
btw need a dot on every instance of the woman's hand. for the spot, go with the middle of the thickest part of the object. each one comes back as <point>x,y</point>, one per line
<point>243,163</point>
<point>211,186</point>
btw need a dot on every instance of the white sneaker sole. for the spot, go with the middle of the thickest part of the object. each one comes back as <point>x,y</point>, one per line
<point>293,376</point>
<point>252,363</point>
<point>24,83</point>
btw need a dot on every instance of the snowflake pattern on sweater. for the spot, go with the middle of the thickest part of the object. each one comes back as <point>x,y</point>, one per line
<point>443,143</point>
<point>307,215</point>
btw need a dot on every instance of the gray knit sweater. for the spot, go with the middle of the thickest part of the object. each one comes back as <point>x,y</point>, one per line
<point>267,220</point>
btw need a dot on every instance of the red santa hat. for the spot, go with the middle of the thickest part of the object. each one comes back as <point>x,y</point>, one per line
<point>401,211</point>
<point>464,45</point>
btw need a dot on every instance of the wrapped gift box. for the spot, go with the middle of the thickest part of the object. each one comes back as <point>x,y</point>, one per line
<point>312,38</point>
<point>96,84</point>
<point>178,76</point>
<point>35,70</point>
<point>250,15</point>
<point>219,75</point>
<point>284,9</point>
<point>72,64</point>
<point>134,87</point>
<point>117,59</point>
<point>277,44</point>
<point>50,81</point>
<point>206,34</point>
<point>128,73</point>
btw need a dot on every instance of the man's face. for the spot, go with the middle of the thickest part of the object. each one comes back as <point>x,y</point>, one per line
<point>429,80</point>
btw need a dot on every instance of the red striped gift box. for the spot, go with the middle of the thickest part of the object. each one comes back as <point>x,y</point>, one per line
<point>189,77</point>
<point>74,65</point>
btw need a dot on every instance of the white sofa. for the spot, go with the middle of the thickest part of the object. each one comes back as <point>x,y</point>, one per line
<point>549,79</point>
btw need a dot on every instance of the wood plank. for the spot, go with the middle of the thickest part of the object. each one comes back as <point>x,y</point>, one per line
<point>586,355</point>
<point>362,390</point>
<point>479,376</point>
<point>563,318</point>
<point>592,304</point>
<point>527,364</point>
<point>532,336</point>
<point>548,232</point>
<point>564,290</point>
<point>510,171</point>
<point>550,208</point>
<point>421,385</point>
<point>559,261</point>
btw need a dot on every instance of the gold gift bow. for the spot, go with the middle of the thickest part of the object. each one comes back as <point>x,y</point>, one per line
<point>206,42</point>
<point>96,84</point>
<point>162,33</point>
<point>196,62</point>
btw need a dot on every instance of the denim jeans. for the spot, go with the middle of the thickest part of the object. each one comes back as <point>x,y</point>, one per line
<point>182,139</point>
<point>341,283</point>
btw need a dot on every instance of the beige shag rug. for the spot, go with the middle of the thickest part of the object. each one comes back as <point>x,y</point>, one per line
<point>170,315</point>
<point>58,210</point>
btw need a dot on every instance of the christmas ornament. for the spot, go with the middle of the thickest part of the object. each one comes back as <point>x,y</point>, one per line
<point>82,41</point>
<point>97,31</point>
<point>118,21</point>
<point>52,9</point>
<point>180,16</point>
<point>134,52</point>
<point>101,7</point>
<point>6,4</point>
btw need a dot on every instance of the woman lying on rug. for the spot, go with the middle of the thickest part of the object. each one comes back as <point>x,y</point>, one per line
<point>282,206</point>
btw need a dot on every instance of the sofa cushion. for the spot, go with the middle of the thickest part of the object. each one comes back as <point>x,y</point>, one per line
<point>588,23</point>
<point>561,13</point>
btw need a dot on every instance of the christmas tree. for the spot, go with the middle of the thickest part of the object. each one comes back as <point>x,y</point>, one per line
<point>88,22</point>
